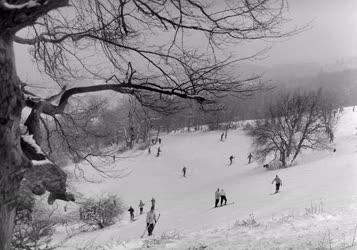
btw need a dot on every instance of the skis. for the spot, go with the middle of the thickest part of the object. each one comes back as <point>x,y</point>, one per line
<point>146,228</point>
<point>231,203</point>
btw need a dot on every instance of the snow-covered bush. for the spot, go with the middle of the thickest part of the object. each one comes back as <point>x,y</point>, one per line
<point>101,212</point>
<point>250,221</point>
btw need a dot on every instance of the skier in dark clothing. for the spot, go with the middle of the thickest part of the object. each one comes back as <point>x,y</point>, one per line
<point>278,183</point>
<point>222,135</point>
<point>250,156</point>
<point>223,197</point>
<point>217,195</point>
<point>159,140</point>
<point>149,150</point>
<point>158,152</point>
<point>151,221</point>
<point>231,159</point>
<point>131,211</point>
<point>184,171</point>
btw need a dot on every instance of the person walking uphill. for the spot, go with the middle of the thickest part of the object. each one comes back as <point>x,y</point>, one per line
<point>141,206</point>
<point>231,160</point>
<point>184,171</point>
<point>158,152</point>
<point>153,203</point>
<point>250,156</point>
<point>278,183</point>
<point>131,211</point>
<point>151,221</point>
<point>217,195</point>
<point>223,197</point>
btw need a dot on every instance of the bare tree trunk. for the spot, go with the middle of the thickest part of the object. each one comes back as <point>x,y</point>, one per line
<point>11,157</point>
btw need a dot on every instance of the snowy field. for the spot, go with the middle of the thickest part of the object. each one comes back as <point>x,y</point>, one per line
<point>316,209</point>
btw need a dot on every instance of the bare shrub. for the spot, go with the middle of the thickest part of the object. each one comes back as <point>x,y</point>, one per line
<point>315,208</point>
<point>101,212</point>
<point>33,229</point>
<point>248,222</point>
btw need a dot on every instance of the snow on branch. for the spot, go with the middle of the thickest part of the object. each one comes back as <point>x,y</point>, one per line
<point>29,4</point>
<point>41,162</point>
<point>31,142</point>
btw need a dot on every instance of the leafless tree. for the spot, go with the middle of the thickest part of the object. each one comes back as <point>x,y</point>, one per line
<point>135,47</point>
<point>294,123</point>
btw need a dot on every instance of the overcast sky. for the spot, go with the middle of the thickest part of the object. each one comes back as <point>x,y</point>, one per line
<point>332,36</point>
<point>332,33</point>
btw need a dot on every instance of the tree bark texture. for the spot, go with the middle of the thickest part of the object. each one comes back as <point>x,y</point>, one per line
<point>12,160</point>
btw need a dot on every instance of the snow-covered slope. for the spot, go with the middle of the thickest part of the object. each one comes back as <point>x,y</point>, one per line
<point>325,180</point>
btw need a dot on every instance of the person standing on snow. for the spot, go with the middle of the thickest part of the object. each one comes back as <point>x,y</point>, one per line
<point>153,203</point>
<point>184,171</point>
<point>141,206</point>
<point>250,156</point>
<point>222,135</point>
<point>131,211</point>
<point>151,221</point>
<point>278,183</point>
<point>158,152</point>
<point>217,196</point>
<point>223,197</point>
<point>231,160</point>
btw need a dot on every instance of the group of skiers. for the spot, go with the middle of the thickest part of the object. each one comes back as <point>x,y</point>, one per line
<point>151,218</point>
<point>141,208</point>
<point>220,195</point>
<point>250,157</point>
<point>153,141</point>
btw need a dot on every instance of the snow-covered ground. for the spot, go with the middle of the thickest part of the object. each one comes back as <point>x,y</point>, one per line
<point>316,209</point>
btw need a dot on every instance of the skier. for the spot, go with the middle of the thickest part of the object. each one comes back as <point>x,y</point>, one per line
<point>141,206</point>
<point>131,211</point>
<point>217,195</point>
<point>223,197</point>
<point>153,203</point>
<point>159,140</point>
<point>231,159</point>
<point>222,135</point>
<point>149,150</point>
<point>250,156</point>
<point>158,152</point>
<point>151,221</point>
<point>278,183</point>
<point>184,171</point>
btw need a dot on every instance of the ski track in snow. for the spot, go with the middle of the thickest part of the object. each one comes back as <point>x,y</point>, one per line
<point>185,204</point>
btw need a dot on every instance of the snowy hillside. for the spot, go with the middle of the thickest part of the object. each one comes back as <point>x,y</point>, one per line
<point>317,206</point>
